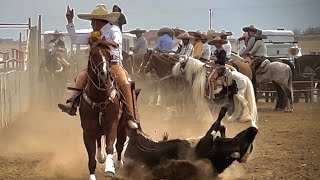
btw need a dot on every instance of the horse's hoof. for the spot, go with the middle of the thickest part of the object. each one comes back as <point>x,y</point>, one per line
<point>92,177</point>
<point>109,174</point>
<point>278,109</point>
<point>101,158</point>
<point>288,110</point>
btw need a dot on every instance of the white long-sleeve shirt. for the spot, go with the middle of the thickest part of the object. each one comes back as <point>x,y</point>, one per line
<point>175,44</point>
<point>259,49</point>
<point>110,32</point>
<point>227,47</point>
<point>141,45</point>
<point>249,46</point>
<point>206,51</point>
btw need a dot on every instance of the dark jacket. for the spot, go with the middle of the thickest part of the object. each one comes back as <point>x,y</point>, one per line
<point>122,19</point>
<point>221,57</point>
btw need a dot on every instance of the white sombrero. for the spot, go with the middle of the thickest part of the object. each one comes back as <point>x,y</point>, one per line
<point>185,35</point>
<point>217,40</point>
<point>137,31</point>
<point>197,33</point>
<point>166,30</point>
<point>178,30</point>
<point>101,12</point>
<point>212,33</point>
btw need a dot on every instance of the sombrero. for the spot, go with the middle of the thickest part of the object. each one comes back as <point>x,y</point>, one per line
<point>185,35</point>
<point>196,33</point>
<point>137,31</point>
<point>178,30</point>
<point>260,35</point>
<point>212,33</point>
<point>204,36</point>
<point>226,33</point>
<point>249,28</point>
<point>218,40</point>
<point>165,30</point>
<point>57,33</point>
<point>100,12</point>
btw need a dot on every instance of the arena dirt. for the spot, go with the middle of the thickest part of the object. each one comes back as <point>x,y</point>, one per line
<point>47,144</point>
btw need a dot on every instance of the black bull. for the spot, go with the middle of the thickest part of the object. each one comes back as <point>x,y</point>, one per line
<point>221,151</point>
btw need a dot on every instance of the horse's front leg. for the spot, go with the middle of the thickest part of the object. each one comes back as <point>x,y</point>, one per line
<point>89,139</point>
<point>110,130</point>
<point>121,139</point>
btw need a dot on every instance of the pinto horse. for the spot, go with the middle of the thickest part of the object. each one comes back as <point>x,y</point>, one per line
<point>100,110</point>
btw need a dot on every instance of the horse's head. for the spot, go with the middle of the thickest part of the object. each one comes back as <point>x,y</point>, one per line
<point>144,63</point>
<point>99,63</point>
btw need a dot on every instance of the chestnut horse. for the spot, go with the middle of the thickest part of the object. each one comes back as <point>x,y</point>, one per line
<point>175,88</point>
<point>100,111</point>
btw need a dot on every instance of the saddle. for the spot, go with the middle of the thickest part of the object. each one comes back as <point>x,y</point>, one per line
<point>171,57</point>
<point>216,80</point>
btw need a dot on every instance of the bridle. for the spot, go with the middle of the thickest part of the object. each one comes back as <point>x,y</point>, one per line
<point>100,74</point>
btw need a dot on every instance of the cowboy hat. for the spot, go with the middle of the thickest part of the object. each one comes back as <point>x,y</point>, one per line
<point>212,33</point>
<point>178,30</point>
<point>166,30</point>
<point>137,31</point>
<point>226,33</point>
<point>185,35</point>
<point>217,40</point>
<point>57,33</point>
<point>249,28</point>
<point>196,33</point>
<point>101,13</point>
<point>260,35</point>
<point>204,36</point>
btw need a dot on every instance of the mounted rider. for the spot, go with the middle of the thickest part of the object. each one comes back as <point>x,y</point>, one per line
<point>141,44</point>
<point>216,77</point>
<point>164,43</point>
<point>177,43</point>
<point>198,45</point>
<point>251,30</point>
<point>259,50</point>
<point>206,49</point>
<point>107,35</point>
<point>187,47</point>
<point>227,47</point>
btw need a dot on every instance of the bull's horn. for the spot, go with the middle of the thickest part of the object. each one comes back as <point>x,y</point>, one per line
<point>59,70</point>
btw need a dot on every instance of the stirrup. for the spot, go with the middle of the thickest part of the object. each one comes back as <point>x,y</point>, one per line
<point>71,111</point>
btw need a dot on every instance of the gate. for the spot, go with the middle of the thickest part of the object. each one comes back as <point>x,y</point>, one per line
<point>17,76</point>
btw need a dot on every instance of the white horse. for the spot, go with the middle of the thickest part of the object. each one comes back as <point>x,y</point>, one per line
<point>194,72</point>
<point>280,73</point>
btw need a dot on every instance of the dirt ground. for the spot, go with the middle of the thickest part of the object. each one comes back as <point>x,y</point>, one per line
<point>46,144</point>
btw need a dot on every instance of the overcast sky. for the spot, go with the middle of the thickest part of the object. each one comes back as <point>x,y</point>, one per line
<point>153,14</point>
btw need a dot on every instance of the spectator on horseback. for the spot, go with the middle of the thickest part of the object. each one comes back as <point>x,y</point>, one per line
<point>206,49</point>
<point>109,35</point>
<point>164,43</point>
<point>141,44</point>
<point>259,50</point>
<point>177,43</point>
<point>251,30</point>
<point>187,47</point>
<point>198,45</point>
<point>227,47</point>
<point>122,19</point>
<point>218,65</point>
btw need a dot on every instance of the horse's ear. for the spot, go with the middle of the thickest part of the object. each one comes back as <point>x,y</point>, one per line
<point>137,92</point>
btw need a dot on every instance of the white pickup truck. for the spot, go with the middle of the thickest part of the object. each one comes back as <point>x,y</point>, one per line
<point>281,44</point>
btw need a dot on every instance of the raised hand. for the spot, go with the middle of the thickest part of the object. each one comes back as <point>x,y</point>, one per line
<point>69,14</point>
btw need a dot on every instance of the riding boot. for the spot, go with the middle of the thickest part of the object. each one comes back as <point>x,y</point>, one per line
<point>128,105</point>
<point>71,105</point>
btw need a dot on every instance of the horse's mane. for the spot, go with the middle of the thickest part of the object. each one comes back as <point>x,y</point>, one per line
<point>195,74</point>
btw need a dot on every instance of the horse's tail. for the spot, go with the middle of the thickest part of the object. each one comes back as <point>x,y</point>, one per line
<point>290,79</point>
<point>251,102</point>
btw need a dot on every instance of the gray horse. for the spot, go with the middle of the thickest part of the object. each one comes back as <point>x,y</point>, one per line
<point>279,73</point>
